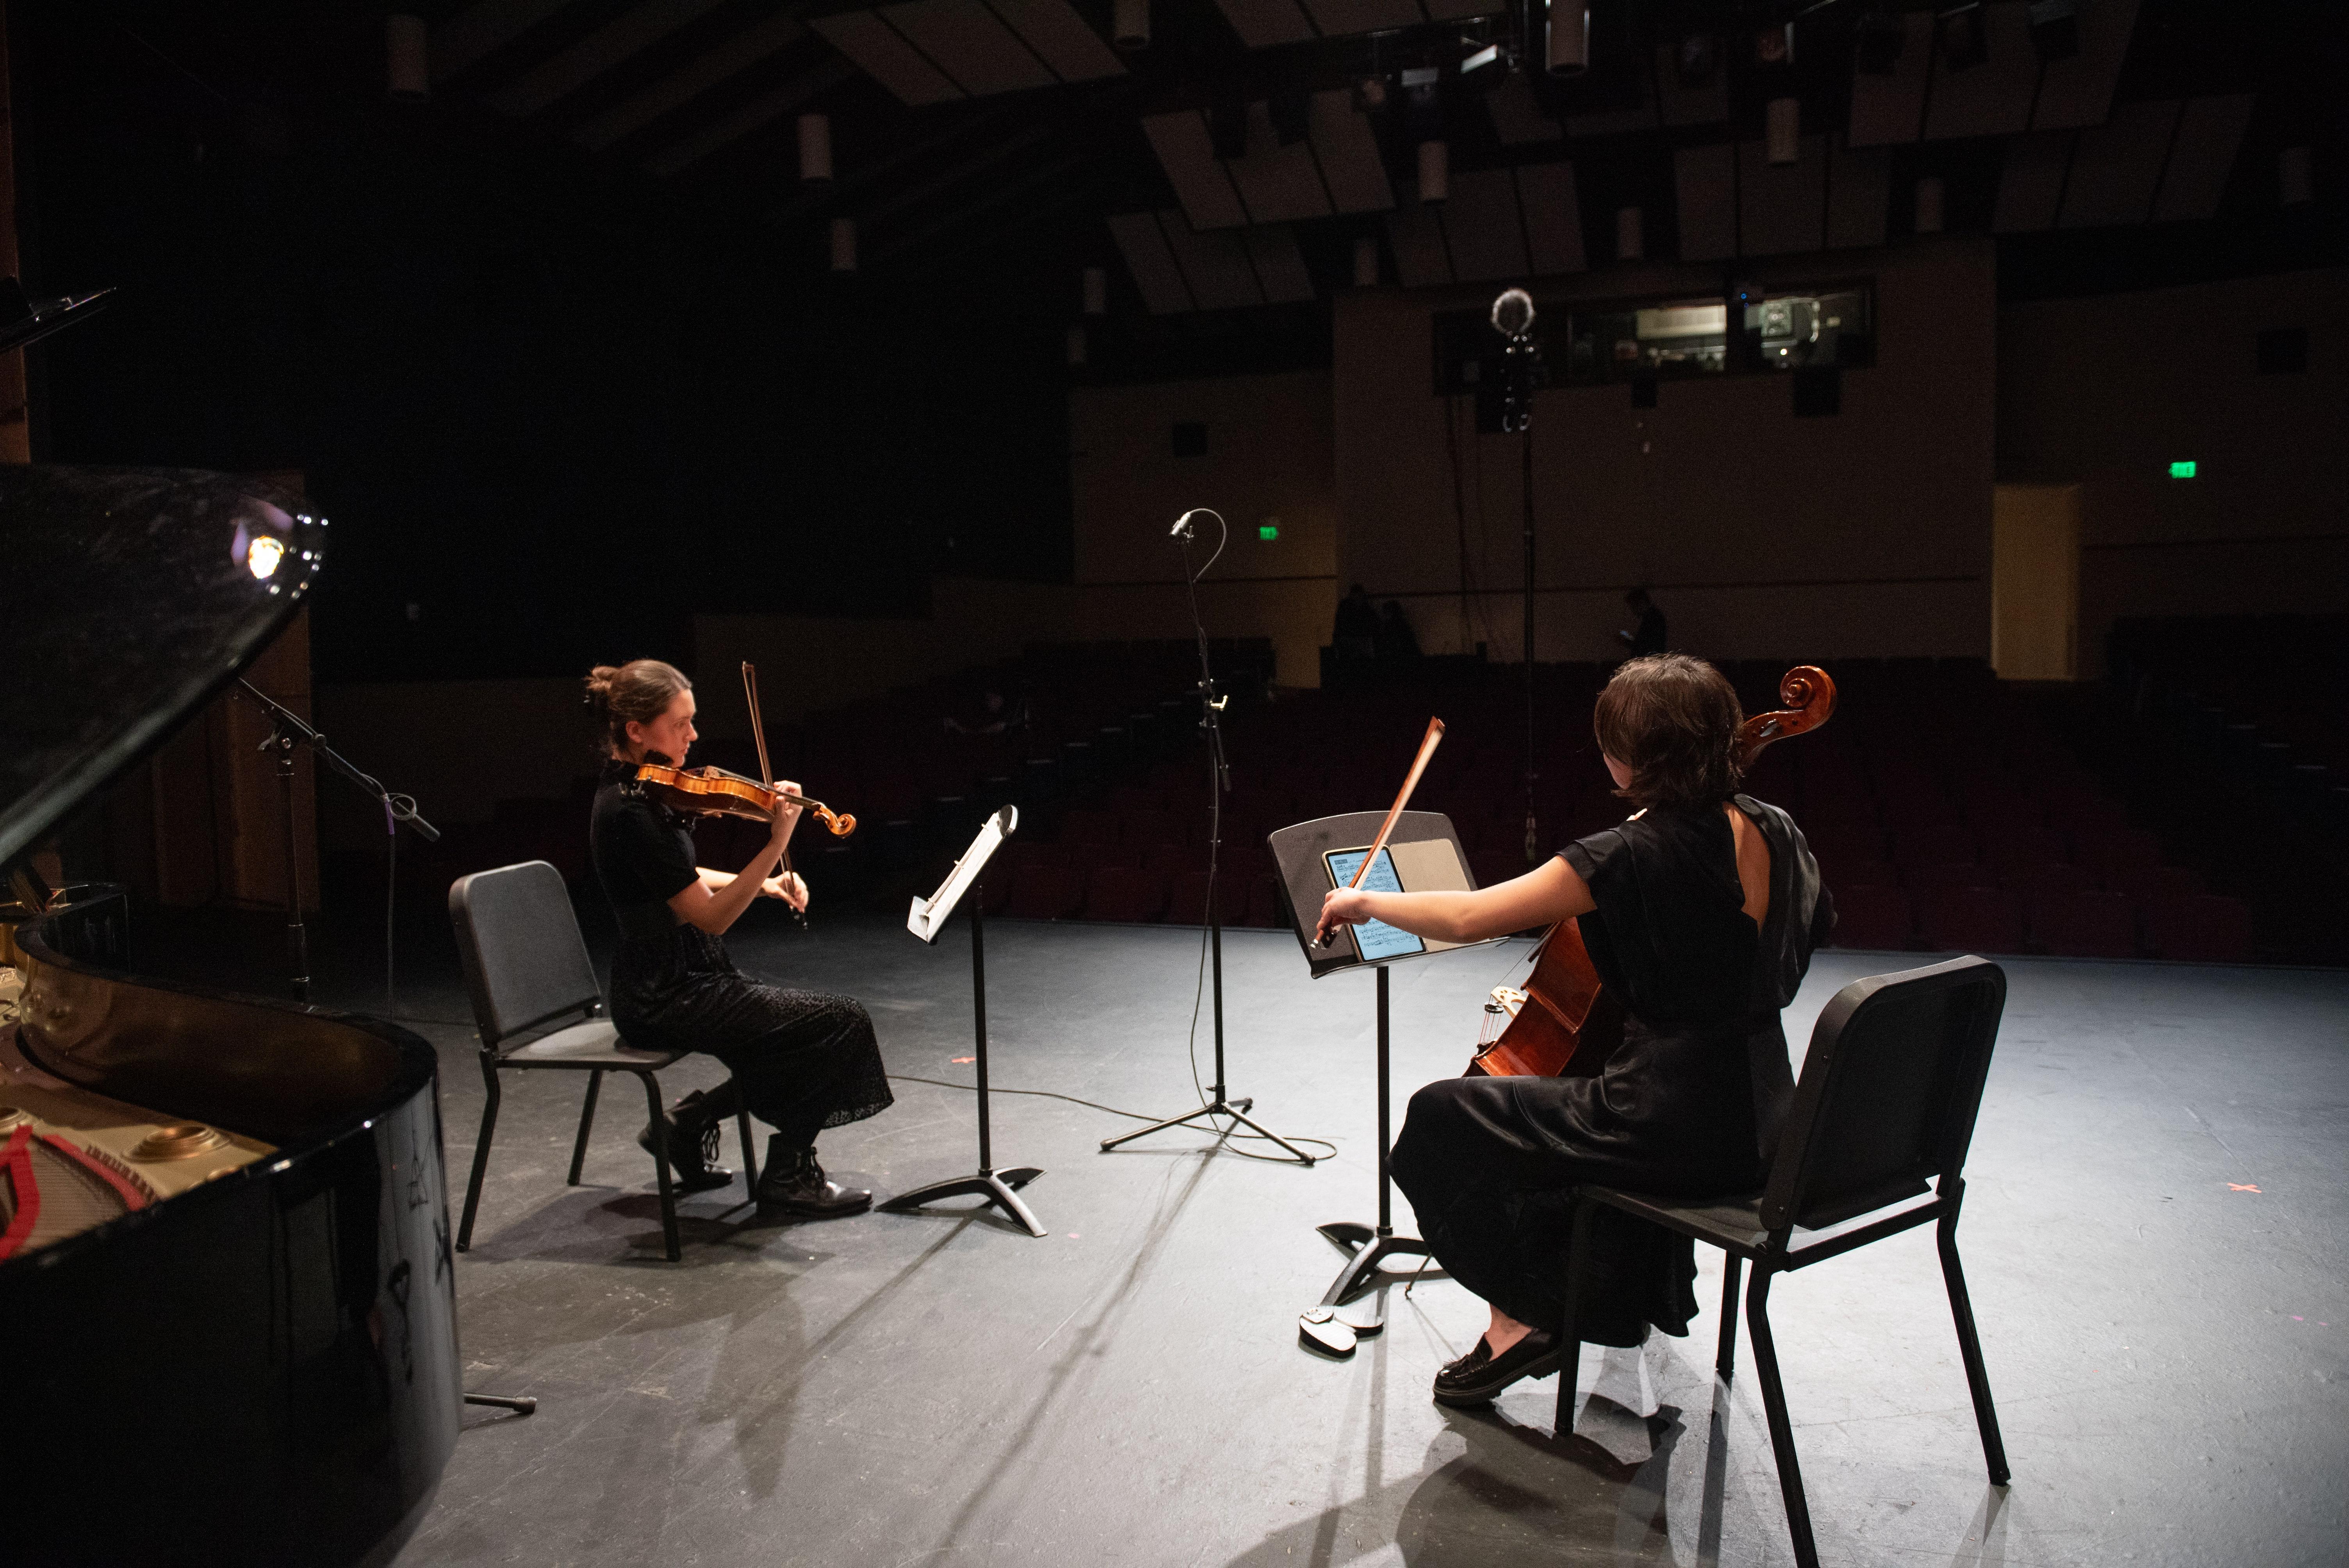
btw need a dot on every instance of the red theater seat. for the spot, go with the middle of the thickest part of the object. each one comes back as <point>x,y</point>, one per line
<point>1940,844</point>
<point>1153,827</point>
<point>1859,874</point>
<point>2204,927</point>
<point>2085,924</point>
<point>2146,884</point>
<point>1126,893</point>
<point>1084,825</point>
<point>1186,903</point>
<point>1167,859</point>
<point>2049,878</point>
<point>2021,846</point>
<point>1949,875</point>
<point>1971,920</point>
<point>2114,851</point>
<point>1045,892</point>
<point>1876,917</point>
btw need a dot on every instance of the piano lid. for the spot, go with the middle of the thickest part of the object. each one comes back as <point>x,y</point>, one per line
<point>130,598</point>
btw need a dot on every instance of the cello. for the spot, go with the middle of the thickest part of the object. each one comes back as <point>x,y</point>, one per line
<point>1563,1022</point>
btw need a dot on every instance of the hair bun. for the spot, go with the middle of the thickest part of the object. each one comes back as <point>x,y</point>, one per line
<point>599,687</point>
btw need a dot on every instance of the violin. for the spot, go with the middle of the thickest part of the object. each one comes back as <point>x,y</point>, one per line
<point>1564,1021</point>
<point>714,791</point>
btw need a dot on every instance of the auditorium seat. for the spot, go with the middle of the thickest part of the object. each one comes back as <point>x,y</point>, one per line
<point>1167,859</point>
<point>2017,844</point>
<point>1940,843</point>
<point>2049,877</point>
<point>2203,927</point>
<point>1125,892</point>
<point>1089,825</point>
<point>1971,920</point>
<point>1187,897</point>
<point>1264,904</point>
<point>1873,917</point>
<point>1045,892</point>
<point>1949,874</point>
<point>1152,826</point>
<point>2085,925</point>
<point>1858,873</point>
<point>2113,851</point>
<point>2145,883</point>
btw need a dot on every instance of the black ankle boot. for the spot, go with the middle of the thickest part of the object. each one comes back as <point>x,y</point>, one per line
<point>793,1183</point>
<point>695,1124</point>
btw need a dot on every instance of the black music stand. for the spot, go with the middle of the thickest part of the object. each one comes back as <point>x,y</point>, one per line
<point>999,1188</point>
<point>1427,859</point>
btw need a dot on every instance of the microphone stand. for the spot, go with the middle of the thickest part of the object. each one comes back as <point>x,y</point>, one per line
<point>1523,374</point>
<point>288,730</point>
<point>1219,783</point>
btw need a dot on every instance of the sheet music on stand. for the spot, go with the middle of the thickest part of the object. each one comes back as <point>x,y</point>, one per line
<point>929,915</point>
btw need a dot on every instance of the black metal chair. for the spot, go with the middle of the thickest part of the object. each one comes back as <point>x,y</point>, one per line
<point>526,970</point>
<point>1887,1101</point>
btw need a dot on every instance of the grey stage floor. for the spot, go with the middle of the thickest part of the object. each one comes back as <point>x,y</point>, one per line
<point>2154,1237</point>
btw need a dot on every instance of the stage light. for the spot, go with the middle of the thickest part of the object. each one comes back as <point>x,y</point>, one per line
<point>262,555</point>
<point>1965,44</point>
<point>1783,130</point>
<point>1366,261</point>
<point>815,147</point>
<point>1292,118</point>
<point>1931,198</point>
<point>1129,25</point>
<point>1369,94</point>
<point>2055,29</point>
<point>1697,58</point>
<point>1268,529</point>
<point>1488,56</point>
<point>406,62</point>
<point>1096,291</point>
<point>2296,176</point>
<point>2184,471</point>
<point>844,244</point>
<point>1569,51</point>
<point>1876,49</point>
<point>1774,45</point>
<point>1630,234</point>
<point>1434,171</point>
<point>1227,128</point>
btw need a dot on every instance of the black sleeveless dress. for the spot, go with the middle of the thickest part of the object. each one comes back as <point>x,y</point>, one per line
<point>1690,1105</point>
<point>805,1060</point>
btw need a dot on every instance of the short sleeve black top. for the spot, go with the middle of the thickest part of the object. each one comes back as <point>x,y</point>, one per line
<point>643,850</point>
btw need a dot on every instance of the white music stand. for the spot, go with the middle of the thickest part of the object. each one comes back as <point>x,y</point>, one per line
<point>927,917</point>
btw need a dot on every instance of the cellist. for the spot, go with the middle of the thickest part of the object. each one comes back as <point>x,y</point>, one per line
<point>1699,913</point>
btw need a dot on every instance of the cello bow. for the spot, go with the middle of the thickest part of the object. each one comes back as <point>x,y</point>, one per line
<point>1427,744</point>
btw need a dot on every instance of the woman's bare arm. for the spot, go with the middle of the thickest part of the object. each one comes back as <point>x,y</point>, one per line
<point>715,909</point>
<point>1551,892</point>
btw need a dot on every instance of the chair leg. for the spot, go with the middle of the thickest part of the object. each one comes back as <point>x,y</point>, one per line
<point>660,1163</point>
<point>1969,1348</point>
<point>586,1121</point>
<point>1569,1364</point>
<point>749,1159</point>
<point>481,1158</point>
<point>1724,1360</point>
<point>1782,1432</point>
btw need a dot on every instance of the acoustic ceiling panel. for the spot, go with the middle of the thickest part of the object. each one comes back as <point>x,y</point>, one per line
<point>472,35</point>
<point>1266,24</point>
<point>1277,184</point>
<point>1335,17</point>
<point>966,41</point>
<point>744,118</point>
<point>1858,193</point>
<point>2209,133</point>
<point>1416,238</point>
<point>1215,264</point>
<point>1707,103</point>
<point>2030,186</point>
<point>629,34</point>
<point>885,57</point>
<point>1484,236</point>
<point>1143,245</point>
<point>1781,207</point>
<point>1518,117</point>
<point>2079,91</point>
<point>1704,182</point>
<point>1279,264</point>
<point>1891,108</point>
<point>2117,166</point>
<point>1348,151</point>
<point>1061,38</point>
<point>1546,195</point>
<point>1992,97</point>
<point>1188,155</point>
<point>690,80</point>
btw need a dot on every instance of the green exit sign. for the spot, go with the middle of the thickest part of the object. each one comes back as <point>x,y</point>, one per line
<point>1269,532</point>
<point>2184,471</point>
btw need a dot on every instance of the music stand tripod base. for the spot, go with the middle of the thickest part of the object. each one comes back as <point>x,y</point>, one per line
<point>1236,1109</point>
<point>999,1188</point>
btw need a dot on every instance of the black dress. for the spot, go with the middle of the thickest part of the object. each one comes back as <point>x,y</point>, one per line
<point>805,1060</point>
<point>1689,1104</point>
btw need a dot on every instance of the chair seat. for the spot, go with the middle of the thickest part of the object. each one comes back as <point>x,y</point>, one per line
<point>594,1043</point>
<point>1733,1224</point>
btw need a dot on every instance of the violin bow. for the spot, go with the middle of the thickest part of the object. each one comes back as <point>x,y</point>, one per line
<point>766,773</point>
<point>1427,744</point>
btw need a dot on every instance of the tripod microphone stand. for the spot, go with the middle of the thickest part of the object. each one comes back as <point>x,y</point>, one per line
<point>1219,783</point>
<point>1512,318</point>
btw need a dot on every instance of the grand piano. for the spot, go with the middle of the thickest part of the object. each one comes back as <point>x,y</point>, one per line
<point>227,1313</point>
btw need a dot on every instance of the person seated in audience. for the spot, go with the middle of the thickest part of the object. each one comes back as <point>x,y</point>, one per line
<point>1649,637</point>
<point>1355,634</point>
<point>1700,912</point>
<point>1397,644</point>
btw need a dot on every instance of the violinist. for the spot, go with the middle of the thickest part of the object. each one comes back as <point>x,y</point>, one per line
<point>802,1060</point>
<point>1699,913</point>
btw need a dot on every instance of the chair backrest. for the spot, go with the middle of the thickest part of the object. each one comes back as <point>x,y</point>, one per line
<point>1888,1092</point>
<point>525,963</point>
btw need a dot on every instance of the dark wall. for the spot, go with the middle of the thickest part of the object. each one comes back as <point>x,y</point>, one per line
<point>552,404</point>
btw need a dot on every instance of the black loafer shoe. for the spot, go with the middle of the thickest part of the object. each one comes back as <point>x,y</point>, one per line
<point>793,1183</point>
<point>1478,1377</point>
<point>694,1128</point>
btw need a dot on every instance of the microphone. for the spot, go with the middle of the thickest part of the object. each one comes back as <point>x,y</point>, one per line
<point>1184,528</point>
<point>1513,314</point>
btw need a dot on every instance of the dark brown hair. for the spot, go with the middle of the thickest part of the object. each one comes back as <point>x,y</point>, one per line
<point>1672,720</point>
<point>636,692</point>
